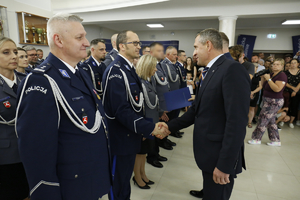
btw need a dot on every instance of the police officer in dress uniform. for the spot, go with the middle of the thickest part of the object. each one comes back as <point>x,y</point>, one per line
<point>173,77</point>
<point>13,181</point>
<point>179,64</point>
<point>63,138</point>
<point>93,66</point>
<point>111,56</point>
<point>161,85</point>
<point>123,104</point>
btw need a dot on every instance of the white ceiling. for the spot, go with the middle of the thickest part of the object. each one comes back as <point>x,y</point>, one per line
<point>118,15</point>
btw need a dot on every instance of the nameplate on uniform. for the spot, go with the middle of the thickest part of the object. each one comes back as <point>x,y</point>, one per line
<point>64,73</point>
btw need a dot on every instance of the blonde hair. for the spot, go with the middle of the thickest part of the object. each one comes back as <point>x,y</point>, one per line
<point>145,66</point>
<point>280,60</point>
<point>4,40</point>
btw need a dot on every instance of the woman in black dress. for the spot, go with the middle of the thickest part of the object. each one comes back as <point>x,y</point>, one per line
<point>255,88</point>
<point>190,68</point>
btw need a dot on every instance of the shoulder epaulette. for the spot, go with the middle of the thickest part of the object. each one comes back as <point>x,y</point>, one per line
<point>42,68</point>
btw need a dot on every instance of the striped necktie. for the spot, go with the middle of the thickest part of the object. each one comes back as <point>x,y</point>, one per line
<point>204,72</point>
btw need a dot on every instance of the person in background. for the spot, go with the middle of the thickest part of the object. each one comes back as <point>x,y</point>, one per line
<point>145,69</point>
<point>260,65</point>
<point>32,58</point>
<point>271,58</point>
<point>191,68</point>
<point>40,55</point>
<point>255,88</point>
<point>22,60</point>
<point>237,53</point>
<point>190,83</point>
<point>268,64</point>
<point>254,59</point>
<point>226,46</point>
<point>93,65</point>
<point>273,85</point>
<point>288,58</point>
<point>181,59</point>
<point>111,56</point>
<point>146,50</point>
<point>282,115</point>
<point>287,66</point>
<point>13,181</point>
<point>293,86</point>
<point>261,55</point>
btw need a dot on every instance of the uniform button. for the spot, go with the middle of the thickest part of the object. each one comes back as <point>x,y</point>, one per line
<point>135,91</point>
<point>128,135</point>
<point>82,109</point>
<point>76,176</point>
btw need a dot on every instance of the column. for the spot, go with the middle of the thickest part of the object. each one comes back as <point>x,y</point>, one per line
<point>227,25</point>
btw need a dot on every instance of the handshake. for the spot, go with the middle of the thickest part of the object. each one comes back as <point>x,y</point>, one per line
<point>161,130</point>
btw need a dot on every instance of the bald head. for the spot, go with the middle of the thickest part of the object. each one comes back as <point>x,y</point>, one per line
<point>114,40</point>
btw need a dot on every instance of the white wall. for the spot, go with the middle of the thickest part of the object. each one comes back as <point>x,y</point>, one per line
<point>94,32</point>
<point>15,6</point>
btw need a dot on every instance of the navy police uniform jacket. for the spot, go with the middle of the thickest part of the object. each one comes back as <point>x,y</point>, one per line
<point>62,161</point>
<point>122,100</point>
<point>95,72</point>
<point>172,74</point>
<point>182,74</point>
<point>111,56</point>
<point>161,84</point>
<point>9,151</point>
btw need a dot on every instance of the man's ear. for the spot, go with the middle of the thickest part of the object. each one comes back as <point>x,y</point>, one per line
<point>209,46</point>
<point>58,40</point>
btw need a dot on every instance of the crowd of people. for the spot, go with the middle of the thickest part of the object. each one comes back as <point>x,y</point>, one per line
<point>76,126</point>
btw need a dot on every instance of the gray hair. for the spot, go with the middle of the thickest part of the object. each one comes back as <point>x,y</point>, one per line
<point>52,27</point>
<point>213,36</point>
<point>29,48</point>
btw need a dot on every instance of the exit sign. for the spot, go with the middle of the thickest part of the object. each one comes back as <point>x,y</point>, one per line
<point>271,36</point>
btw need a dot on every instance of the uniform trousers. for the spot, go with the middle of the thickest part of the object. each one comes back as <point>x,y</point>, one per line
<point>122,171</point>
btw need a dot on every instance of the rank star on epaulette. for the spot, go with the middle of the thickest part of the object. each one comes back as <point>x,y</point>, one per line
<point>6,104</point>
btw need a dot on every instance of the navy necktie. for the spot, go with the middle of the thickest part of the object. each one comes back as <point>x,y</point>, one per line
<point>15,88</point>
<point>204,72</point>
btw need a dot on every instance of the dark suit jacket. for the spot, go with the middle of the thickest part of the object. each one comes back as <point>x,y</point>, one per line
<point>219,114</point>
<point>111,56</point>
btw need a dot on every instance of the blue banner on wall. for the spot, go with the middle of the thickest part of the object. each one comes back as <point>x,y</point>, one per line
<point>247,41</point>
<point>296,44</point>
<point>174,43</point>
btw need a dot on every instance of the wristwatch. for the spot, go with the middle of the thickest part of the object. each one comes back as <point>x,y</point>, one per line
<point>269,80</point>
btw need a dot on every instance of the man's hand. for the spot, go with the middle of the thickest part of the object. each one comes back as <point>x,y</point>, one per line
<point>220,177</point>
<point>192,98</point>
<point>165,117</point>
<point>161,130</point>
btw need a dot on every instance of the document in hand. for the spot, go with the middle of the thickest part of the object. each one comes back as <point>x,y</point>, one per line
<point>177,99</point>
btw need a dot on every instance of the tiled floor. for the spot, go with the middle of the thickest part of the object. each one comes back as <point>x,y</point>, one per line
<point>273,173</point>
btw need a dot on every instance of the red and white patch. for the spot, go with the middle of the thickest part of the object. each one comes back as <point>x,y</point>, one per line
<point>99,83</point>
<point>162,78</point>
<point>6,104</point>
<point>136,98</point>
<point>85,119</point>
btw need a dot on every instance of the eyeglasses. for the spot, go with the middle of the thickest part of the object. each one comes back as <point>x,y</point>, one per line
<point>32,55</point>
<point>135,43</point>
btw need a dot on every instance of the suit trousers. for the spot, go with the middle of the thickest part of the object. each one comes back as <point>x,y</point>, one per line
<point>153,155</point>
<point>122,171</point>
<point>213,191</point>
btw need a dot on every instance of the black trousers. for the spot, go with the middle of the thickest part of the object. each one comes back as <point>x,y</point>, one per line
<point>213,191</point>
<point>13,182</point>
<point>153,155</point>
<point>294,104</point>
<point>122,171</point>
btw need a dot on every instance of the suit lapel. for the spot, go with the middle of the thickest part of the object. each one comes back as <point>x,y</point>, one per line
<point>207,78</point>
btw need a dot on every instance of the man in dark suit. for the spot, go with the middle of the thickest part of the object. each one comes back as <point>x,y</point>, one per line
<point>63,138</point>
<point>32,58</point>
<point>226,46</point>
<point>123,103</point>
<point>180,65</point>
<point>223,98</point>
<point>93,66</point>
<point>111,56</point>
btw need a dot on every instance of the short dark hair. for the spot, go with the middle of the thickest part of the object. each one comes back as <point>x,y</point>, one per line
<point>122,38</point>
<point>295,59</point>
<point>144,47</point>
<point>268,61</point>
<point>153,44</point>
<point>21,49</point>
<point>39,50</point>
<point>212,35</point>
<point>179,52</point>
<point>96,41</point>
<point>224,38</point>
<point>288,55</point>
<point>254,55</point>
